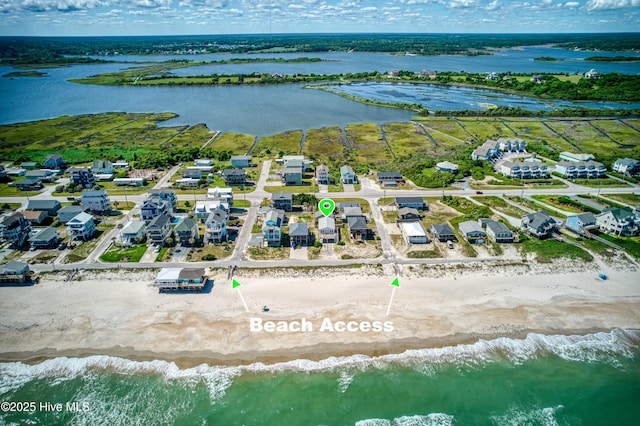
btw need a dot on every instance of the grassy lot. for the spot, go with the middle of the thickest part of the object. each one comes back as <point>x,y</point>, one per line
<point>531,205</point>
<point>325,144</point>
<point>445,125</point>
<point>501,205</point>
<point>10,206</point>
<point>584,136</point>
<point>84,138</point>
<point>535,130</point>
<point>285,143</point>
<point>269,253</point>
<point>618,131</point>
<point>117,254</point>
<point>630,244</point>
<point>406,138</point>
<point>238,143</point>
<point>309,187</point>
<point>82,251</point>
<point>553,200</point>
<point>486,128</point>
<point>163,255</point>
<point>424,254</point>
<point>547,251</point>
<point>601,183</point>
<point>12,191</point>
<point>196,135</point>
<point>591,245</point>
<point>367,143</point>
<point>241,204</point>
<point>217,251</point>
<point>630,199</point>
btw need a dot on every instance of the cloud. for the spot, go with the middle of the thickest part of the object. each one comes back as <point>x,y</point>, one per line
<point>572,4</point>
<point>610,4</point>
<point>215,4</point>
<point>149,4</point>
<point>462,4</point>
<point>49,5</point>
<point>495,4</point>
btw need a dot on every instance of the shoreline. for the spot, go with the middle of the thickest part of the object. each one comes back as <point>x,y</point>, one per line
<point>120,313</point>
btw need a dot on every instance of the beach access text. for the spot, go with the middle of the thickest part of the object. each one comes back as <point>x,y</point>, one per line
<point>257,325</point>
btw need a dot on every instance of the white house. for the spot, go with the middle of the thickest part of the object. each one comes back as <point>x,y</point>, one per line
<point>241,161</point>
<point>618,220</point>
<point>132,233</point>
<point>96,201</point>
<point>327,230</point>
<point>82,227</point>
<point>626,166</point>
<point>216,226</point>
<point>413,232</point>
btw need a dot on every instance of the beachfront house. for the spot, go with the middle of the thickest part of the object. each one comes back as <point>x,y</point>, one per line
<point>443,232</point>
<point>618,220</point>
<point>186,231</point>
<point>96,201</point>
<point>327,230</point>
<point>408,214</point>
<point>498,231</point>
<point>322,175</point>
<point>347,176</point>
<point>67,213</point>
<point>241,161</point>
<point>216,226</point>
<point>581,223</point>
<point>81,227</point>
<point>191,279</point>
<point>389,178</point>
<point>626,166</point>
<point>132,233</point>
<point>413,233</point>
<point>15,272</point>
<point>49,206</point>
<point>82,176</point>
<point>358,227</point>
<point>272,227</point>
<point>539,224</point>
<point>472,232</point>
<point>413,202</point>
<point>282,201</point>
<point>159,229</point>
<point>234,176</point>
<point>299,234</point>
<point>46,238</point>
<point>15,230</point>
<point>447,166</point>
<point>53,161</point>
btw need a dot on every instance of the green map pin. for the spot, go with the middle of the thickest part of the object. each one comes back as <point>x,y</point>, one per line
<point>326,206</point>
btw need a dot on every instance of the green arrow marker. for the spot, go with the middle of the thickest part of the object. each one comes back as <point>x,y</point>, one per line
<point>394,283</point>
<point>235,284</point>
<point>326,206</point>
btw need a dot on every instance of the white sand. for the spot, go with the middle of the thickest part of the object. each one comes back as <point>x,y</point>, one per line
<point>120,313</point>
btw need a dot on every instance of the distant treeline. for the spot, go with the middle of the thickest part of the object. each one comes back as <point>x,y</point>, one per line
<point>612,58</point>
<point>420,44</point>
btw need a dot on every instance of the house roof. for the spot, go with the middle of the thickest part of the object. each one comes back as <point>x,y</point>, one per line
<point>352,211</point>
<point>409,200</point>
<point>234,172</point>
<point>241,157</point>
<point>47,234</point>
<point>11,219</point>
<point>168,274</point>
<point>626,161</point>
<point>357,223</point>
<point>13,266</point>
<point>408,210</point>
<point>132,227</point>
<point>393,175</point>
<point>326,222</point>
<point>191,273</point>
<point>346,169</point>
<point>274,215</point>
<point>538,219</point>
<point>35,214</point>
<point>619,213</point>
<point>161,191</point>
<point>442,229</point>
<point>292,170</point>
<point>282,196</point>
<point>82,217</point>
<point>413,229</point>
<point>186,224</point>
<point>587,217</point>
<point>71,210</point>
<point>447,165</point>
<point>160,220</point>
<point>43,204</point>
<point>217,215</point>
<point>344,204</point>
<point>498,228</point>
<point>470,226</point>
<point>95,193</point>
<point>102,164</point>
<point>299,229</point>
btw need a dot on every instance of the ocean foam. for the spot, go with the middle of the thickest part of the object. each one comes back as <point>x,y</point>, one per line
<point>526,416</point>
<point>433,419</point>
<point>344,381</point>
<point>598,347</point>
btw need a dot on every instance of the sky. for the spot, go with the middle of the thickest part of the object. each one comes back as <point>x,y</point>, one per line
<point>174,17</point>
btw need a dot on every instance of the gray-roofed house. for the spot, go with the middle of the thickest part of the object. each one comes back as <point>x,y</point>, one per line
<point>159,229</point>
<point>408,214</point>
<point>472,232</point>
<point>539,224</point>
<point>15,272</point>
<point>581,223</point>
<point>443,232</point>
<point>82,176</point>
<point>15,229</point>
<point>499,232</point>
<point>193,174</point>
<point>102,167</point>
<point>358,227</point>
<point>29,165</point>
<point>347,175</point>
<point>165,194</point>
<point>53,161</point>
<point>322,175</point>
<point>282,201</point>
<point>292,176</point>
<point>81,227</point>
<point>626,166</point>
<point>154,207</point>
<point>327,230</point>
<point>49,206</point>
<point>389,178</point>
<point>413,202</point>
<point>272,227</point>
<point>96,201</point>
<point>618,220</point>
<point>132,233</point>
<point>44,175</point>
<point>241,161</point>
<point>216,226</point>
<point>29,184</point>
<point>349,212</point>
<point>186,231</point>
<point>299,234</point>
<point>46,238</point>
<point>234,176</point>
<point>67,213</point>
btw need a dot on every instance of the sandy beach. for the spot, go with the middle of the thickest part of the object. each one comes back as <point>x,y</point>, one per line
<point>120,313</point>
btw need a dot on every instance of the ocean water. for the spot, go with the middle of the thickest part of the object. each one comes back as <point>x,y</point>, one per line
<point>539,380</point>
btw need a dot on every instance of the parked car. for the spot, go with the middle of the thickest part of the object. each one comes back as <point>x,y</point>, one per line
<point>450,244</point>
<point>62,246</point>
<point>157,249</point>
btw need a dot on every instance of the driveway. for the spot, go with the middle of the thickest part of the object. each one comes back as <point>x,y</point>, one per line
<point>180,254</point>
